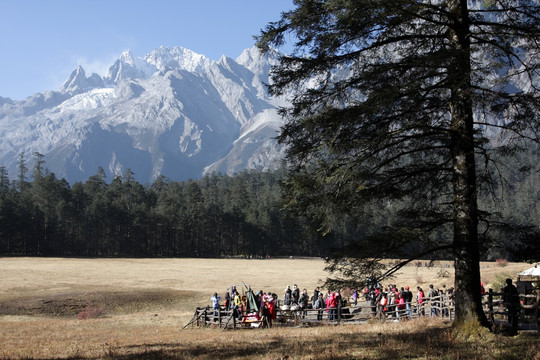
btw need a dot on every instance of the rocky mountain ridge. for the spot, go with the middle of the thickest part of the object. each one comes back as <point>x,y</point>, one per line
<point>174,113</point>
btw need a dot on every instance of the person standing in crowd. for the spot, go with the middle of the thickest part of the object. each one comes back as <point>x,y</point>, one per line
<point>295,294</point>
<point>331,304</point>
<point>258,297</point>
<point>270,305</point>
<point>382,304</point>
<point>400,305</point>
<point>227,302</point>
<point>237,303</point>
<point>374,295</point>
<point>304,299</point>
<point>511,302</point>
<point>391,296</point>
<point>327,295</point>
<point>408,296</point>
<point>315,297</point>
<point>327,301</point>
<point>287,299</point>
<point>367,292</point>
<point>262,303</point>
<point>319,304</point>
<point>339,298</point>
<point>215,303</point>
<point>303,302</point>
<point>420,300</point>
<point>432,294</point>
<point>339,304</point>
<point>443,295</point>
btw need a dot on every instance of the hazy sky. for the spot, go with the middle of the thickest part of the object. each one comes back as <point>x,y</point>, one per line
<point>43,41</point>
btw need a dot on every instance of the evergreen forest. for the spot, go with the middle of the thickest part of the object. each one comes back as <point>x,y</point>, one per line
<point>215,216</point>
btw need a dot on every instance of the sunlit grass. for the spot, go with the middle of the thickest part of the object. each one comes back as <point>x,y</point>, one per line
<point>146,303</point>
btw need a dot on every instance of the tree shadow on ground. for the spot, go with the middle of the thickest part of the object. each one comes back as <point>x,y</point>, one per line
<point>425,343</point>
<point>69,304</point>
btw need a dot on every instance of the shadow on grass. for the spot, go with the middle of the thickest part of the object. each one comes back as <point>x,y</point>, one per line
<point>69,304</point>
<point>425,343</point>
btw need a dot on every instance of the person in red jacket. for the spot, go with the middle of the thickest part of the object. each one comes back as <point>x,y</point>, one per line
<point>420,299</point>
<point>400,310</point>
<point>270,309</point>
<point>331,304</point>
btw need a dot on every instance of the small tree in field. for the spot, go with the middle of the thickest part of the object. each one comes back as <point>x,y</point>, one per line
<point>397,103</point>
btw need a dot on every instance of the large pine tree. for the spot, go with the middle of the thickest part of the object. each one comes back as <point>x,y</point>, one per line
<point>399,102</point>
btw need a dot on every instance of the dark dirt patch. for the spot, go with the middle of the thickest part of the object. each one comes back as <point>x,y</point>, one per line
<point>71,304</point>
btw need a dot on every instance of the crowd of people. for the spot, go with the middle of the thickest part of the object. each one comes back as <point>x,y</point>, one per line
<point>390,301</point>
<point>262,304</point>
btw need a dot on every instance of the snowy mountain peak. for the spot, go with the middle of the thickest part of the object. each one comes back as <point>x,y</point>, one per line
<point>166,58</point>
<point>253,59</point>
<point>128,58</point>
<point>78,83</point>
<point>128,67</point>
<point>174,113</point>
<point>75,81</point>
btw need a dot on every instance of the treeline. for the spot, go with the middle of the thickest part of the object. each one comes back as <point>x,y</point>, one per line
<point>217,215</point>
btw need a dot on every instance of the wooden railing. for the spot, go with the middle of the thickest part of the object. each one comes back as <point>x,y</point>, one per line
<point>224,318</point>
<point>439,306</point>
<point>527,310</point>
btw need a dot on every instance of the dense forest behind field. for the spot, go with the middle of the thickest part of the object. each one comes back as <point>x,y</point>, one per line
<point>217,215</point>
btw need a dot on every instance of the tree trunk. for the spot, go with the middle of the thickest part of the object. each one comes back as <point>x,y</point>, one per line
<point>466,248</point>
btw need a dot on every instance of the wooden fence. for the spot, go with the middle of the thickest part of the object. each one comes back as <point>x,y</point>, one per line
<point>225,318</point>
<point>439,306</point>
<point>528,311</point>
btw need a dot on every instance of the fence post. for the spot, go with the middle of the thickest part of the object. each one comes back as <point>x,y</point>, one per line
<point>442,305</point>
<point>490,306</point>
<point>537,312</point>
<point>339,313</point>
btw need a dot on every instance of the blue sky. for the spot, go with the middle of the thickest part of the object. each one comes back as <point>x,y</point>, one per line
<point>43,41</point>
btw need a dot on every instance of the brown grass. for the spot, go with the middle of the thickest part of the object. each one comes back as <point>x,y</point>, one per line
<point>145,304</point>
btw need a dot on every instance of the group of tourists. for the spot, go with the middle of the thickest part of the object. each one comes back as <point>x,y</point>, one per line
<point>261,304</point>
<point>394,302</point>
<point>390,301</point>
<point>293,299</point>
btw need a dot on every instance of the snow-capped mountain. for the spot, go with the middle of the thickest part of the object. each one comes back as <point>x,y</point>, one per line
<point>173,113</point>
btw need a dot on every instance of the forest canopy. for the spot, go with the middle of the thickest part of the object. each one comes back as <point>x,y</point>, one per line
<point>218,215</point>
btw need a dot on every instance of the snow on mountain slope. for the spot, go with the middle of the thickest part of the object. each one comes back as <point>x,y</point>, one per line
<point>255,148</point>
<point>174,113</point>
<point>165,59</point>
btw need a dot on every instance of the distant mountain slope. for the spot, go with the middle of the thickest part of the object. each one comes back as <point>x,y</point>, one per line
<point>173,113</point>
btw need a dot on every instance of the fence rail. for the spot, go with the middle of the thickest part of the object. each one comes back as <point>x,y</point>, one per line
<point>439,306</point>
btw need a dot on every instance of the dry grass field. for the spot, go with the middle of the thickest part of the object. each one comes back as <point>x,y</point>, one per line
<point>136,309</point>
